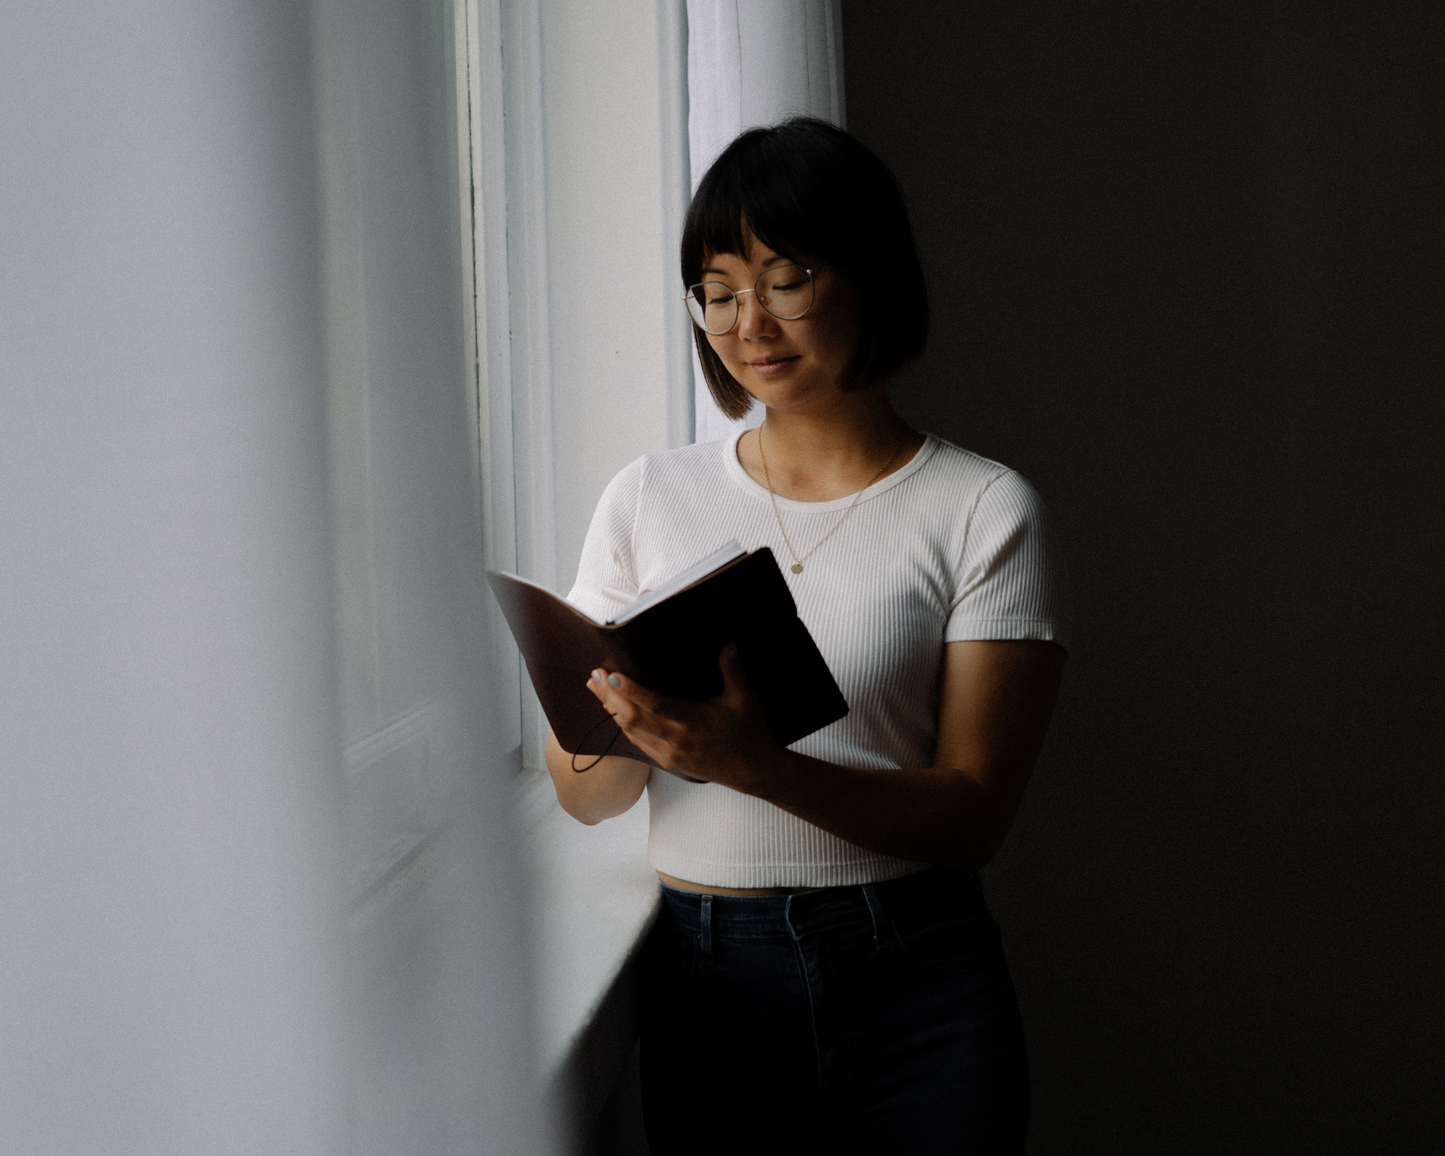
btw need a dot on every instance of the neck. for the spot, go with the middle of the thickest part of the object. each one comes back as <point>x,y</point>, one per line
<point>824,453</point>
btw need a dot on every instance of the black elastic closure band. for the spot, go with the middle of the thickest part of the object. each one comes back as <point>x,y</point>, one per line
<point>588,735</point>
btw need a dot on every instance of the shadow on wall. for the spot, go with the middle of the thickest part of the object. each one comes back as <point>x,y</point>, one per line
<point>1185,268</point>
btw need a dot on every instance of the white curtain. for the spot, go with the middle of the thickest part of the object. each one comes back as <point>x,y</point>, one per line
<point>754,62</point>
<point>257,890</point>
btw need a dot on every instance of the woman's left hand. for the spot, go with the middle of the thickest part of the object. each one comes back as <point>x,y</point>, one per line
<point>724,741</point>
<point>995,700</point>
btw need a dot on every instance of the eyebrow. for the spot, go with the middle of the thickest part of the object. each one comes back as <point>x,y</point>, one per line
<point>773,260</point>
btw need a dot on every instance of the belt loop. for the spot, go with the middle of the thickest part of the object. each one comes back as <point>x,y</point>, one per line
<point>875,912</point>
<point>706,933</point>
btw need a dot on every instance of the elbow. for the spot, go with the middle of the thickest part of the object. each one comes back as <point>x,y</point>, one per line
<point>971,857</point>
<point>579,810</point>
<point>968,853</point>
<point>971,833</point>
<point>986,844</point>
<point>589,810</point>
<point>980,857</point>
<point>975,844</point>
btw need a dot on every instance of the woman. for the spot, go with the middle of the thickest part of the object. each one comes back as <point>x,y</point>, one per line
<point>824,975</point>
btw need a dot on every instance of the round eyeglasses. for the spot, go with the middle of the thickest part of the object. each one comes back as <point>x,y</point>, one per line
<point>785,291</point>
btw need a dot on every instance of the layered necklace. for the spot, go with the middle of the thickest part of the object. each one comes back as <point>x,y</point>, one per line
<point>797,566</point>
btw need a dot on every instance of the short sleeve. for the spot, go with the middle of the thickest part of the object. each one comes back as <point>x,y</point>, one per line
<point>1012,583</point>
<point>607,556</point>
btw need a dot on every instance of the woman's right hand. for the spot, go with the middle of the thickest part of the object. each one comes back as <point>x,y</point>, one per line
<point>602,791</point>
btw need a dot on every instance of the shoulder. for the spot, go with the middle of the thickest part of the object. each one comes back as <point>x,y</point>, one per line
<point>964,480</point>
<point>1010,582</point>
<point>695,460</point>
<point>671,476</point>
<point>991,508</point>
<point>678,477</point>
<point>620,495</point>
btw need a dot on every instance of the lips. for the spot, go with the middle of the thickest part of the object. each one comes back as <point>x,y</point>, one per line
<point>767,366</point>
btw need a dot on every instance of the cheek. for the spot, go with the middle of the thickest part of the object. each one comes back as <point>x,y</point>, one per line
<point>725,348</point>
<point>834,341</point>
<point>841,324</point>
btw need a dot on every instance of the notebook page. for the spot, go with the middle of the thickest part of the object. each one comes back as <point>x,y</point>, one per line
<point>714,561</point>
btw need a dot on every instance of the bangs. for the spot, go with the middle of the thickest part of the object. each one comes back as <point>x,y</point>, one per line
<point>773,187</point>
<point>716,228</point>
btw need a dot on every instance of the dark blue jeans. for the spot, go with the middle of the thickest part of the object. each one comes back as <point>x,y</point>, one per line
<point>873,1019</point>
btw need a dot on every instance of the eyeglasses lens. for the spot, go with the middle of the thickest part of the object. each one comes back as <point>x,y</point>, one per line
<point>713,306</point>
<point>786,292</point>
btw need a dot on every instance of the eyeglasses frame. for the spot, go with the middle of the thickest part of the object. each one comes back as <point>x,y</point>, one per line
<point>812,284</point>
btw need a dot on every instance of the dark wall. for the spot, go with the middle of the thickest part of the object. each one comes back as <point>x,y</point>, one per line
<point>1186,269</point>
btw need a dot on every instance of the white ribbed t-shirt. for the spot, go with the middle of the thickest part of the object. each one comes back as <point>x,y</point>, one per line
<point>952,547</point>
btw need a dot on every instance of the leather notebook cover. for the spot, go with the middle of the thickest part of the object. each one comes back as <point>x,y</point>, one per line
<point>672,648</point>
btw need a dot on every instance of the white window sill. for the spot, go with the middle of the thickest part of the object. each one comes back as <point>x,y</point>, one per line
<point>592,899</point>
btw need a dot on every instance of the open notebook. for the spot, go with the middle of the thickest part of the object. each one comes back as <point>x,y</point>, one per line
<point>669,640</point>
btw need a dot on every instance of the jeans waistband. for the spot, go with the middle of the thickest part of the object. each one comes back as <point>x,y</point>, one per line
<point>790,916</point>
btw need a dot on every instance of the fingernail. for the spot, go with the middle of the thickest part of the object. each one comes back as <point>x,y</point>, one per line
<point>614,681</point>
<point>597,675</point>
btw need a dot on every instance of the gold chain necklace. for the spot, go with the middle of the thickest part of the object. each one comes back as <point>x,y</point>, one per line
<point>797,566</point>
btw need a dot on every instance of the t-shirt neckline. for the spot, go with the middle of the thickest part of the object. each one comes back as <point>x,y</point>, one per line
<point>745,480</point>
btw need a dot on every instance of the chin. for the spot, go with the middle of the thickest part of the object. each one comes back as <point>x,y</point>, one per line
<point>786,394</point>
<point>774,395</point>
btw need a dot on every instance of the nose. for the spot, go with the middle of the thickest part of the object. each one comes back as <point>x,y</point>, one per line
<point>753,320</point>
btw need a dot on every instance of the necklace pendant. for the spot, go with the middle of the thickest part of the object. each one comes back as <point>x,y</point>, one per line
<point>796,567</point>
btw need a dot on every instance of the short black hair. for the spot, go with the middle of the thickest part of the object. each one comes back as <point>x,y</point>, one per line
<point>807,188</point>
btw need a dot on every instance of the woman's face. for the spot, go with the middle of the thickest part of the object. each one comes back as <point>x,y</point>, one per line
<point>785,364</point>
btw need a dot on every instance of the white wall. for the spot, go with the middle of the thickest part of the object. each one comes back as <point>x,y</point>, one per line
<point>616,312</point>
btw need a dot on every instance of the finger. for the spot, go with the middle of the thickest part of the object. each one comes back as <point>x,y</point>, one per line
<point>636,711</point>
<point>614,685</point>
<point>658,725</point>
<point>611,691</point>
<point>598,692</point>
<point>737,690</point>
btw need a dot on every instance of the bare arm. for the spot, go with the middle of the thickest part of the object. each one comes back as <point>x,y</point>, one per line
<point>995,702</point>
<point>608,789</point>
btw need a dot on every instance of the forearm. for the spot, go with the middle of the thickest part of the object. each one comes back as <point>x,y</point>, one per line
<point>995,702</point>
<point>930,814</point>
<point>996,699</point>
<point>602,791</point>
